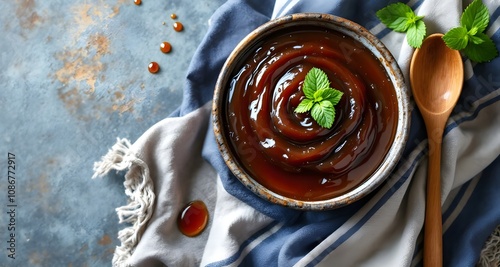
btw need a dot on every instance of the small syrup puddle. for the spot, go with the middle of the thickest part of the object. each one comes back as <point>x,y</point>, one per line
<point>193,218</point>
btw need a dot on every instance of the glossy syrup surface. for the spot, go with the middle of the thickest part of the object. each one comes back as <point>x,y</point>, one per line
<point>165,47</point>
<point>289,153</point>
<point>193,218</point>
<point>153,67</point>
<point>178,26</point>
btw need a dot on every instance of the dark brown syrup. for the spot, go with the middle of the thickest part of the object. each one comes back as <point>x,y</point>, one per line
<point>193,218</point>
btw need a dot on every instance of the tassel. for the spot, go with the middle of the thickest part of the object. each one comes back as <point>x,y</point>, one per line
<point>139,189</point>
<point>490,255</point>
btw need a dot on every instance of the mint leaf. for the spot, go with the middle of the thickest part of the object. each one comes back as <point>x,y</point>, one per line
<point>475,39</point>
<point>416,33</point>
<point>456,38</point>
<point>401,18</point>
<point>475,17</point>
<point>333,95</point>
<point>400,24</point>
<point>323,113</point>
<point>330,94</point>
<point>482,52</point>
<point>315,79</point>
<point>318,95</point>
<point>320,98</point>
<point>304,106</point>
<point>472,31</point>
<point>470,37</point>
<point>395,17</point>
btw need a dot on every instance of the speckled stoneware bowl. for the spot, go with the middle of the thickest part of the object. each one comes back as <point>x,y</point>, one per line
<point>307,200</point>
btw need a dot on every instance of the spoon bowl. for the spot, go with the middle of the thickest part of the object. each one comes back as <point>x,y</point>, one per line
<point>436,77</point>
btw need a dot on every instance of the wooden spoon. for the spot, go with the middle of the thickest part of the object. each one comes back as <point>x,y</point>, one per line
<point>436,75</point>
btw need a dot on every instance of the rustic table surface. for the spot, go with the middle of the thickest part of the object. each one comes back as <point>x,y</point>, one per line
<point>74,77</point>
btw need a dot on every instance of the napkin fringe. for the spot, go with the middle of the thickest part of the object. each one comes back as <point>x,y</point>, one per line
<point>490,255</point>
<point>140,191</point>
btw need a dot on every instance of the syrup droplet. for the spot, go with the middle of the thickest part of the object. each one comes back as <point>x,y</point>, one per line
<point>165,47</point>
<point>173,16</point>
<point>178,26</point>
<point>193,218</point>
<point>137,2</point>
<point>153,67</point>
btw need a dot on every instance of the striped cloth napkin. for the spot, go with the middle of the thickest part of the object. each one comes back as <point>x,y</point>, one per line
<point>177,161</point>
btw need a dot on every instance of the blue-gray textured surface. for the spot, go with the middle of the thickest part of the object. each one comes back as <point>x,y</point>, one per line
<point>73,78</point>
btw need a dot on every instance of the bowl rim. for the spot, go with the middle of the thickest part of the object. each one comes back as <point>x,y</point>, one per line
<point>390,65</point>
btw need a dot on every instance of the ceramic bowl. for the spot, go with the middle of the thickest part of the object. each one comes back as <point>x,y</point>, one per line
<point>232,155</point>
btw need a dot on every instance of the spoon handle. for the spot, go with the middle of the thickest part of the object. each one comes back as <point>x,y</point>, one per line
<point>433,229</point>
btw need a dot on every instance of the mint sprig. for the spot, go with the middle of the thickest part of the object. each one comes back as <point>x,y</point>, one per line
<point>320,98</point>
<point>401,18</point>
<point>470,37</point>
